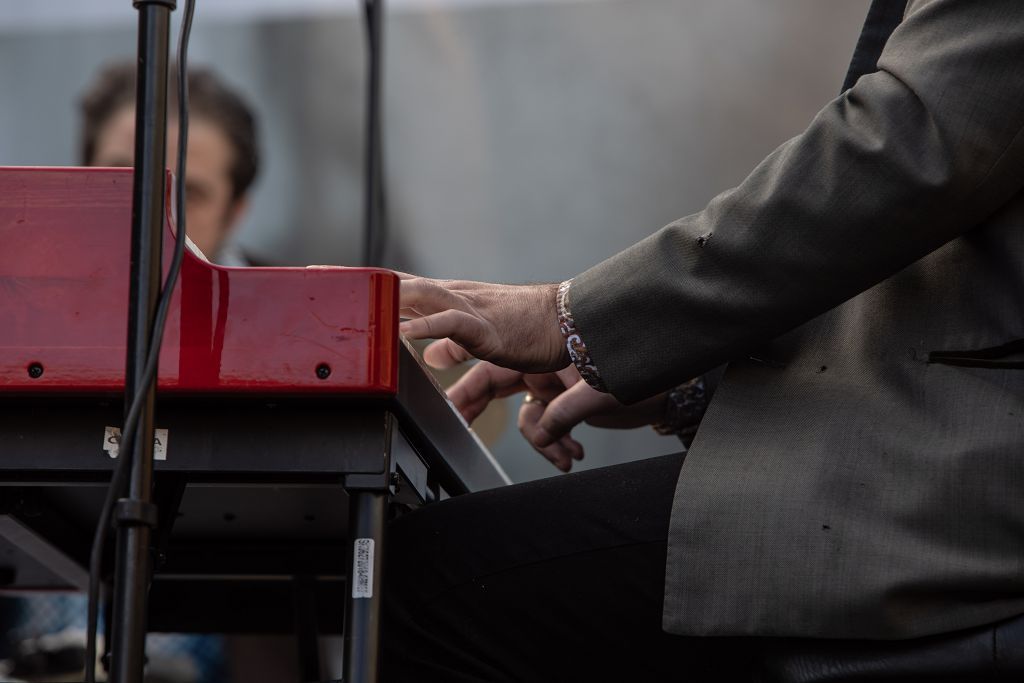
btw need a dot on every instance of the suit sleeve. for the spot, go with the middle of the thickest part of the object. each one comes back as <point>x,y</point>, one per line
<point>908,159</point>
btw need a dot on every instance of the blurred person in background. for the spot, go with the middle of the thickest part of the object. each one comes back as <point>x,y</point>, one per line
<point>223,154</point>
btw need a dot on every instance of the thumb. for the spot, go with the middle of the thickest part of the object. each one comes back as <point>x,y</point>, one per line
<point>444,353</point>
<point>568,409</point>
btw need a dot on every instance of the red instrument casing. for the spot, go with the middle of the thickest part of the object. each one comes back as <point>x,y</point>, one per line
<point>64,274</point>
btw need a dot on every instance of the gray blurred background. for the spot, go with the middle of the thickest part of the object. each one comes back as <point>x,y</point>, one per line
<point>525,141</point>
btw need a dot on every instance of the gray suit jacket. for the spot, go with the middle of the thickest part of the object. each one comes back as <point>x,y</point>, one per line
<point>841,484</point>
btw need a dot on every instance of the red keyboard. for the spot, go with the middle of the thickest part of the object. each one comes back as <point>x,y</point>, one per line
<point>64,275</point>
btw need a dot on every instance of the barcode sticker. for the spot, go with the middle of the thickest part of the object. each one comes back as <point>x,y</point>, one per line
<point>362,568</point>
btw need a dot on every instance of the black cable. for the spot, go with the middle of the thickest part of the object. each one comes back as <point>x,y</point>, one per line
<point>374,227</point>
<point>123,466</point>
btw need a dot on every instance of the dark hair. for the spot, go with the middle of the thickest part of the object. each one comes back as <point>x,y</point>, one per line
<point>209,98</point>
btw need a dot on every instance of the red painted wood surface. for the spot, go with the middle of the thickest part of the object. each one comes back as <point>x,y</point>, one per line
<point>64,250</point>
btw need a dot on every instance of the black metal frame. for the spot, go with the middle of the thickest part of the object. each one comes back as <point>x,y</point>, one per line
<point>255,533</point>
<point>329,453</point>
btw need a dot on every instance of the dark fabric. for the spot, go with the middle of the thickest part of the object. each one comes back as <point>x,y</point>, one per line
<point>555,580</point>
<point>1007,356</point>
<point>561,580</point>
<point>989,653</point>
<point>883,18</point>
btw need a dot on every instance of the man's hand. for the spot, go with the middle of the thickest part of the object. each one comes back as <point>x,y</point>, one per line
<point>514,326</point>
<point>560,401</point>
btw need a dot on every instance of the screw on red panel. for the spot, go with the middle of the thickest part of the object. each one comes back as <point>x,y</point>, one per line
<point>35,371</point>
<point>323,371</point>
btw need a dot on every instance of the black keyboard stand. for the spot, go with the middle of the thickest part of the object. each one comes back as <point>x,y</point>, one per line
<point>261,504</point>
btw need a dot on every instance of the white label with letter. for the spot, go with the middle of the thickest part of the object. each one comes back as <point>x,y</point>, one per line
<point>112,442</point>
<point>362,568</point>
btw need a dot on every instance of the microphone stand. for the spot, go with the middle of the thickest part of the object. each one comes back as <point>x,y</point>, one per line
<point>361,648</point>
<point>136,516</point>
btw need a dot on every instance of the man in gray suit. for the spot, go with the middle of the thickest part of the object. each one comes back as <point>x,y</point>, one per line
<point>859,473</point>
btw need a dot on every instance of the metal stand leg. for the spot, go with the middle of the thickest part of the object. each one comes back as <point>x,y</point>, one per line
<point>135,515</point>
<point>367,514</point>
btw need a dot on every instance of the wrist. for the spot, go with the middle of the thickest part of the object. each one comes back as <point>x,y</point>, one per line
<point>552,304</point>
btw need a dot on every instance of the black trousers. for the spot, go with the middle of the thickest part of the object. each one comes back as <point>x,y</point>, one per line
<point>562,580</point>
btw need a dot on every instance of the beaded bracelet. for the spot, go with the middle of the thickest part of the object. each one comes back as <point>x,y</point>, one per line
<point>574,342</point>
